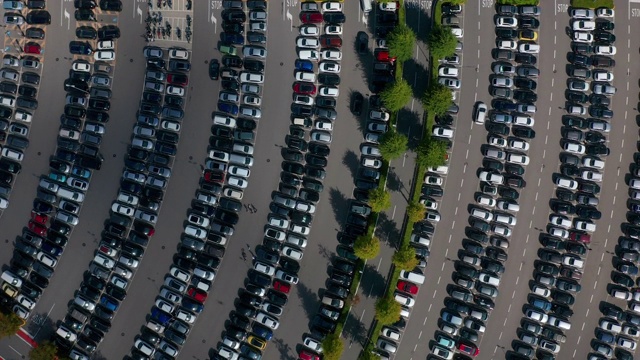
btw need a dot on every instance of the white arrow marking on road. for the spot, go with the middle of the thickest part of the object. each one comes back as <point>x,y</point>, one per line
<point>215,23</point>
<point>139,13</point>
<point>68,17</point>
<point>290,18</point>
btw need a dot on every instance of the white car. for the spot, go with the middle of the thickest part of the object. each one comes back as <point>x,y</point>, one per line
<point>584,25</point>
<point>308,42</point>
<point>602,75</point>
<point>185,316</point>
<point>497,141</point>
<point>119,208</point>
<point>264,268</point>
<point>278,222</point>
<point>536,316</point>
<point>605,13</point>
<point>582,13</point>
<point>485,200</point>
<point>254,51</point>
<point>292,253</point>
<point>106,45</point>
<point>175,90</point>
<point>592,162</point>
<point>506,44</point>
<point>443,132</point>
<point>267,320</point>
<point>291,279</point>
<point>457,31</point>
<point>331,91</point>
<point>300,229</point>
<point>490,177</point>
<point>502,81</point>
<point>507,21</point>
<point>605,50</point>
<point>404,300</point>
<point>604,89</point>
<point>379,115</point>
<point>433,180</point>
<point>573,148</point>
<point>518,144</point>
<point>333,29</point>
<point>560,221</point>
<point>566,183</point>
<point>309,30</point>
<point>104,55</point>
<point>576,109</point>
<point>312,344</point>
<point>332,6</point>
<point>529,48</point>
<point>526,108</point>
<point>46,259</point>
<point>303,99</point>
<point>559,232</point>
<point>237,182</point>
<point>371,163</point>
<point>81,66</point>
<point>331,54</point>
<point>249,77</point>
<point>518,159</point>
<point>591,175</point>
<point>388,6</point>
<point>308,55</point>
<point>324,125</point>
<point>329,67</point>
<point>450,82</point>
<point>305,76</point>
<point>582,37</point>
<point>448,71</point>
<point>523,120</point>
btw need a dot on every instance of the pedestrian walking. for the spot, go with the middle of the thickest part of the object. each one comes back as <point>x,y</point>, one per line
<point>248,247</point>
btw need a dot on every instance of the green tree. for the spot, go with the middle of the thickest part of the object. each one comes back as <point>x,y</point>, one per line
<point>405,258</point>
<point>368,354</point>
<point>45,351</point>
<point>437,99</point>
<point>387,310</point>
<point>10,323</point>
<point>442,42</point>
<point>392,145</point>
<point>401,41</point>
<point>415,211</point>
<point>332,347</point>
<point>459,2</point>
<point>431,152</point>
<point>396,95</point>
<point>379,199</point>
<point>366,247</point>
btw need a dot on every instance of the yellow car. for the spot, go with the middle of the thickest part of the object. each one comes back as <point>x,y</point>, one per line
<point>528,35</point>
<point>257,342</point>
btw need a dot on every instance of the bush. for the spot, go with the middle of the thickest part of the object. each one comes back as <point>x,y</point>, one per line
<point>458,2</point>
<point>368,355</point>
<point>45,351</point>
<point>401,41</point>
<point>442,42</point>
<point>405,258</point>
<point>431,152</point>
<point>415,211</point>
<point>527,2</point>
<point>379,199</point>
<point>332,347</point>
<point>437,99</point>
<point>366,247</point>
<point>392,145</point>
<point>387,310</point>
<point>396,95</point>
<point>10,323</point>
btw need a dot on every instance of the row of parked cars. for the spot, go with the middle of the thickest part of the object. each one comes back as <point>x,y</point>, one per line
<point>562,259</point>
<point>19,78</point>
<point>62,191</point>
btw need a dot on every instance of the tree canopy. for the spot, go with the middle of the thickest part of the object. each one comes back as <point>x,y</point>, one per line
<point>437,99</point>
<point>396,95</point>
<point>401,41</point>
<point>332,347</point>
<point>415,211</point>
<point>366,247</point>
<point>45,351</point>
<point>392,145</point>
<point>10,323</point>
<point>405,258</point>
<point>387,310</point>
<point>431,152</point>
<point>442,42</point>
<point>379,199</point>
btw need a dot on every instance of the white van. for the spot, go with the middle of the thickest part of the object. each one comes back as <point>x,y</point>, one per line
<point>70,194</point>
<point>412,277</point>
<point>439,169</point>
<point>481,113</point>
<point>366,6</point>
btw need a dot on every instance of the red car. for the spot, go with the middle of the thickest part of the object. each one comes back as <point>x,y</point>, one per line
<point>178,79</point>
<point>37,228</point>
<point>469,349</point>
<point>197,294</point>
<point>383,55</point>
<point>32,48</point>
<point>214,176</point>
<point>311,17</point>
<point>306,355</point>
<point>407,287</point>
<point>580,237</point>
<point>39,218</point>
<point>304,88</point>
<point>283,287</point>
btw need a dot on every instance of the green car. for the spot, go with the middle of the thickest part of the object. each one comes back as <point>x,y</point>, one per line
<point>228,49</point>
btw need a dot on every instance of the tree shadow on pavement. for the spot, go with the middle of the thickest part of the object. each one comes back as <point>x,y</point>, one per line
<point>309,300</point>
<point>394,183</point>
<point>387,229</point>
<point>42,326</point>
<point>373,283</point>
<point>352,161</point>
<point>416,75</point>
<point>325,252</point>
<point>418,20</point>
<point>339,203</point>
<point>410,124</point>
<point>354,329</point>
<point>286,352</point>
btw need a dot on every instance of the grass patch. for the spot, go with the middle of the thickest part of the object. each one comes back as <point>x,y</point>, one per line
<point>593,4</point>
<point>520,2</point>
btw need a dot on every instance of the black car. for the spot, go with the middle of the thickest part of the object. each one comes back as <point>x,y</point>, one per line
<point>577,59</point>
<point>604,25</point>
<point>234,16</point>
<point>254,65</point>
<point>526,59</point>
<point>111,5</point>
<point>501,129</point>
<point>525,96</point>
<point>86,32</point>
<point>339,18</point>
<point>362,42</point>
<point>214,69</point>
<point>523,132</point>
<point>597,149</point>
<point>232,61</point>
<point>329,79</point>
<point>30,78</point>
<point>38,17</point>
<point>505,33</point>
<point>576,96</point>
<point>85,15</point>
<point>109,32</point>
<point>80,48</point>
<point>604,37</point>
<point>301,110</point>
<point>528,22</point>
<point>525,83</point>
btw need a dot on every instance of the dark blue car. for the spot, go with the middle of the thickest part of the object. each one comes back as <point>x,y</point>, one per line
<point>262,331</point>
<point>304,65</point>
<point>192,305</point>
<point>52,249</point>
<point>109,303</point>
<point>162,317</point>
<point>228,107</point>
<point>230,38</point>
